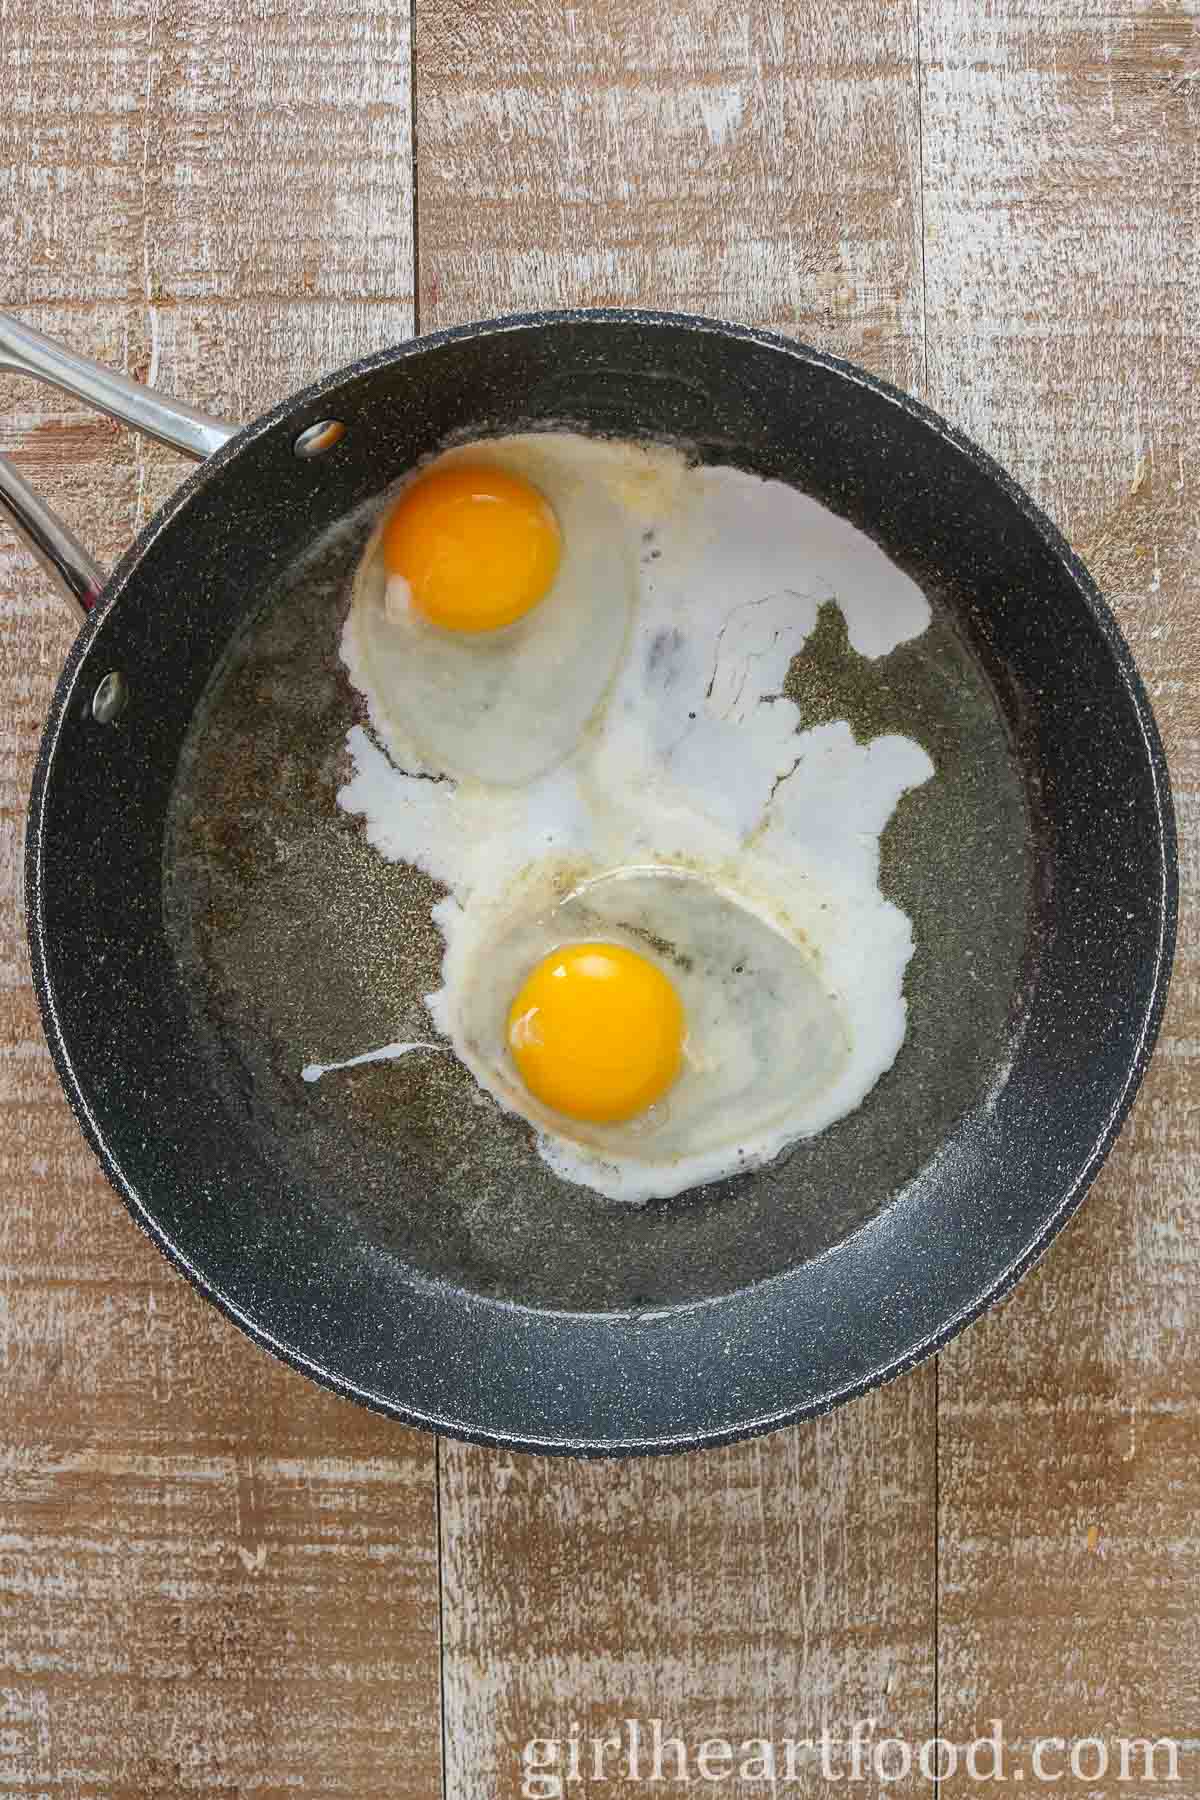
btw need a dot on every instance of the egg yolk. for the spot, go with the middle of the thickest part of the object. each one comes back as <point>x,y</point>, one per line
<point>597,1032</point>
<point>479,548</point>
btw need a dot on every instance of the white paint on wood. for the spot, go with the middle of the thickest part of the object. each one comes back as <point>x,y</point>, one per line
<point>213,1576</point>
<point>191,1539</point>
<point>1062,195</point>
<point>756,163</point>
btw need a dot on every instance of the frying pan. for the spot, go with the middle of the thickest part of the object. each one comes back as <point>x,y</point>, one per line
<point>202,919</point>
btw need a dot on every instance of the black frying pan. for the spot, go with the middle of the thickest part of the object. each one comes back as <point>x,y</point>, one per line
<point>203,920</point>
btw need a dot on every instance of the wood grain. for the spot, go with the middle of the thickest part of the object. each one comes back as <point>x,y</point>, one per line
<point>1061,203</point>
<point>763,165</point>
<point>763,1591</point>
<point>755,162</point>
<point>213,1577</point>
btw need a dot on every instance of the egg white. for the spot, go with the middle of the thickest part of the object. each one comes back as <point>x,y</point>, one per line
<point>766,1044</point>
<point>499,706</point>
<point>690,761</point>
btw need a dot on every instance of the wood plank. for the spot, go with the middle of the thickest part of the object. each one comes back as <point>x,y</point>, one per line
<point>1061,204</point>
<point>752,162</point>
<point>762,166</point>
<point>212,1575</point>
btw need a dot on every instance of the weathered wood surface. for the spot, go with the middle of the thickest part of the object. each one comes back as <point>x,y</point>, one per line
<point>1063,296</point>
<point>212,1577</point>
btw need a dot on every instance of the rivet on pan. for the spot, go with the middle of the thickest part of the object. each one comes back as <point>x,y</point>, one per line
<point>314,440</point>
<point>110,698</point>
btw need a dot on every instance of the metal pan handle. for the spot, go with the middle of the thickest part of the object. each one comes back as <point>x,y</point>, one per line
<point>24,351</point>
<point>170,422</point>
<point>58,550</point>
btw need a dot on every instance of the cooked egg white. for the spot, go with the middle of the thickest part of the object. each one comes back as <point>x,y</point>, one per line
<point>677,807</point>
<point>450,691</point>
<point>765,1044</point>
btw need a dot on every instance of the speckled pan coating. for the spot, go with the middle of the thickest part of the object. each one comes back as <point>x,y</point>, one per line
<point>761,1301</point>
<point>301,944</point>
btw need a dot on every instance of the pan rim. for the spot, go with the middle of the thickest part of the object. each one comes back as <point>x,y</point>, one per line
<point>292,411</point>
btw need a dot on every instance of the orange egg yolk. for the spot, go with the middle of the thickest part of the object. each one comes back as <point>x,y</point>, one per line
<point>597,1032</point>
<point>479,548</point>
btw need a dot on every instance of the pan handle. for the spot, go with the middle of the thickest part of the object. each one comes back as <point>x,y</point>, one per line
<point>24,351</point>
<point>171,422</point>
<point>57,549</point>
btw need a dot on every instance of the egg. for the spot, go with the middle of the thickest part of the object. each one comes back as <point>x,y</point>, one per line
<point>469,547</point>
<point>657,1029</point>
<point>665,943</point>
<point>489,613</point>
<point>597,1031</point>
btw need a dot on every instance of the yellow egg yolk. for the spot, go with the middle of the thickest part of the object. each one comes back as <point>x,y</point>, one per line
<point>478,548</point>
<point>597,1032</point>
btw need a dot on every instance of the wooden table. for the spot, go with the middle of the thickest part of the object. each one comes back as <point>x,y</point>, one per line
<point>213,1577</point>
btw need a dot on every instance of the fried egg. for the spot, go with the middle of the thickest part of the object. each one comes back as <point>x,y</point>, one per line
<point>489,613</point>
<point>676,1031</point>
<point>665,943</point>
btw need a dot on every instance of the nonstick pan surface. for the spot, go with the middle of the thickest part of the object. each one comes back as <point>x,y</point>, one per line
<point>204,921</point>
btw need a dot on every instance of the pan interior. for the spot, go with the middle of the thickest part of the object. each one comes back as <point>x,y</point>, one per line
<point>298,943</point>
